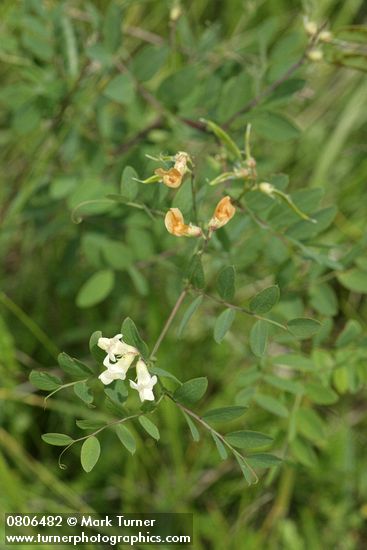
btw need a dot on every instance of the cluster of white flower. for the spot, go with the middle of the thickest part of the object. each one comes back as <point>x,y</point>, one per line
<point>119,358</point>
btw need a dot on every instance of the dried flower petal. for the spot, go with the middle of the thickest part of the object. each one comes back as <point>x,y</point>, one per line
<point>223,212</point>
<point>175,224</point>
<point>171,177</point>
<point>174,176</point>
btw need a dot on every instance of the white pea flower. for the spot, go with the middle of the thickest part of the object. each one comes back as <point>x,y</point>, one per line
<point>122,356</point>
<point>118,370</point>
<point>114,347</point>
<point>145,382</point>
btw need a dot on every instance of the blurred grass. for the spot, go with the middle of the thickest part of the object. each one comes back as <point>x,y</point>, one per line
<point>59,132</point>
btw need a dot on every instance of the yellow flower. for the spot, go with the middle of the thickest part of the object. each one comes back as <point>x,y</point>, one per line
<point>175,225</point>
<point>173,177</point>
<point>223,212</point>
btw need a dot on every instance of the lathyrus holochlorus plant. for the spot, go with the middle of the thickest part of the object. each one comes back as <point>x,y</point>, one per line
<point>124,362</point>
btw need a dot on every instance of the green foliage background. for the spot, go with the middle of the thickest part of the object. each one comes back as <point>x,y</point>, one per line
<point>90,87</point>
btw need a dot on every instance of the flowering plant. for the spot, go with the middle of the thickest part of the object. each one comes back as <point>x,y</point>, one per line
<point>126,356</point>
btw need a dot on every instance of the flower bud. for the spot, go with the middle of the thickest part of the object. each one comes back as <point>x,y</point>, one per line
<point>310,27</point>
<point>175,13</point>
<point>181,162</point>
<point>315,55</point>
<point>175,225</point>
<point>251,163</point>
<point>266,188</point>
<point>223,212</point>
<point>325,36</point>
<point>242,173</point>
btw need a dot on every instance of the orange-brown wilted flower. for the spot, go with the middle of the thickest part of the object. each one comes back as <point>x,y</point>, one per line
<point>223,212</point>
<point>175,224</point>
<point>173,177</point>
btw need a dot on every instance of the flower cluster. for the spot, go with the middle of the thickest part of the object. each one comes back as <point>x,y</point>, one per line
<point>174,221</point>
<point>119,357</point>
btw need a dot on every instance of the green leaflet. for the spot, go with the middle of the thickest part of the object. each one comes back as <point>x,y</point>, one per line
<point>259,338</point>
<point>126,438</point>
<point>191,391</point>
<point>226,282</point>
<point>303,328</point>
<point>223,323</point>
<point>149,427</point>
<point>60,440</point>
<point>44,380</point>
<point>193,307</point>
<point>265,300</point>
<point>90,453</point>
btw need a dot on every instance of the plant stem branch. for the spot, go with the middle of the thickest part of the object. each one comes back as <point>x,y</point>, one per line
<point>274,85</point>
<point>211,430</point>
<point>193,193</point>
<point>113,423</point>
<point>62,387</point>
<point>169,321</point>
<point>139,136</point>
<point>119,421</point>
<point>267,91</point>
<point>241,309</point>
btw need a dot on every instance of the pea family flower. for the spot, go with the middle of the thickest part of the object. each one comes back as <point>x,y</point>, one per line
<point>112,346</point>
<point>224,211</point>
<point>116,371</point>
<point>121,354</point>
<point>145,382</point>
<point>173,177</point>
<point>175,225</point>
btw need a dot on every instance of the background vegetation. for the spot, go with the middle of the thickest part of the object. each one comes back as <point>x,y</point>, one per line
<point>89,87</point>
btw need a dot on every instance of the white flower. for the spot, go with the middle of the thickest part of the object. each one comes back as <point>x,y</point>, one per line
<point>118,370</point>
<point>114,347</point>
<point>122,356</point>
<point>145,382</point>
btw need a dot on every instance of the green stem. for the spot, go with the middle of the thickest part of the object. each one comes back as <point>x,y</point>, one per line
<point>247,142</point>
<point>28,322</point>
<point>146,208</point>
<point>283,497</point>
<point>63,387</point>
<point>79,219</point>
<point>193,193</point>
<point>278,82</point>
<point>241,309</point>
<point>168,323</point>
<point>211,430</point>
<point>119,421</point>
